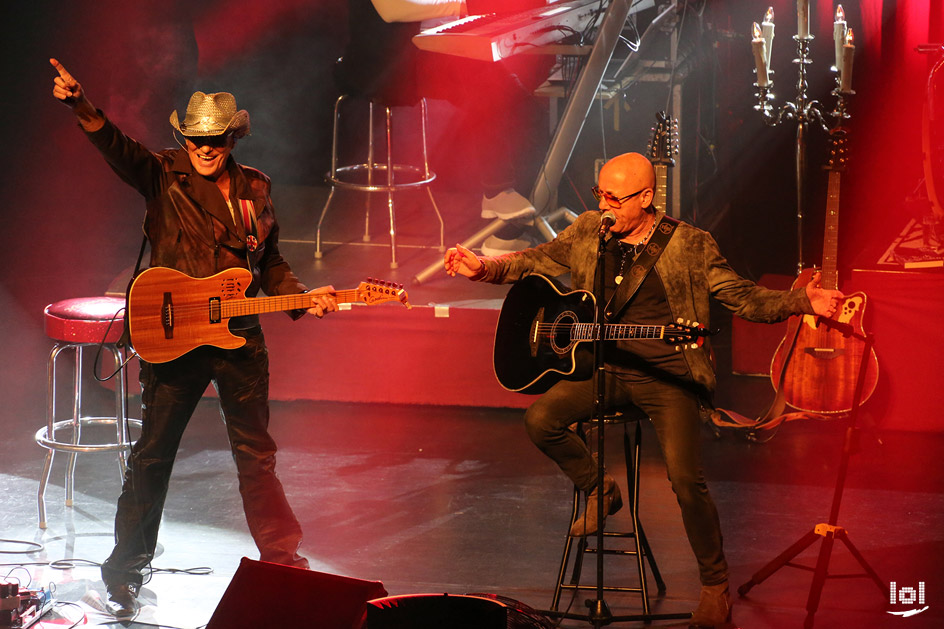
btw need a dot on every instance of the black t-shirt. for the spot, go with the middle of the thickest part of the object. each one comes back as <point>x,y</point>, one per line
<point>641,360</point>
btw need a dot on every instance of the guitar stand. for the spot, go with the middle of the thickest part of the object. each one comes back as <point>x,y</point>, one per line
<point>829,531</point>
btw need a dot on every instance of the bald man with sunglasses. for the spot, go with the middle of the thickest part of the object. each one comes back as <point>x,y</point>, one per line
<point>674,388</point>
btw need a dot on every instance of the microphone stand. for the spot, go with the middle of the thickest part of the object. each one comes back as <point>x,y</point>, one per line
<point>599,611</point>
<point>599,614</point>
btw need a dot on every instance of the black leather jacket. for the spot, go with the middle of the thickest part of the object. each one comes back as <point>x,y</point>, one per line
<point>188,224</point>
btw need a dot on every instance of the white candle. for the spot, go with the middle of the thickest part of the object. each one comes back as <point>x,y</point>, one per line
<point>839,35</point>
<point>803,18</point>
<point>848,51</point>
<point>768,27</point>
<point>759,46</point>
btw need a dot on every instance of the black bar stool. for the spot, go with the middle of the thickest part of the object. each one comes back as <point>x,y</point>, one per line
<point>639,547</point>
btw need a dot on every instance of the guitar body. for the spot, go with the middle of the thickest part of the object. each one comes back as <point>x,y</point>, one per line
<point>157,336</point>
<point>171,313</point>
<point>540,331</point>
<point>822,366</point>
<point>530,361</point>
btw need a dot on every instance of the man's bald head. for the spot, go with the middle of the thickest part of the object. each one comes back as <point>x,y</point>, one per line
<point>627,173</point>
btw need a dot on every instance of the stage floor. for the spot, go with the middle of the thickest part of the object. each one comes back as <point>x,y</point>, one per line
<point>453,500</point>
<point>444,498</point>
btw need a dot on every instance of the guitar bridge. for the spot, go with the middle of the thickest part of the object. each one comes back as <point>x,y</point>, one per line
<point>167,315</point>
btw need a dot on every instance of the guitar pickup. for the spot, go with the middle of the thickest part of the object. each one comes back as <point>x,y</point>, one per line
<point>167,315</point>
<point>216,312</point>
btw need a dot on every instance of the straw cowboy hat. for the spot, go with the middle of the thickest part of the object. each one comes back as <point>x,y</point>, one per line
<point>212,114</point>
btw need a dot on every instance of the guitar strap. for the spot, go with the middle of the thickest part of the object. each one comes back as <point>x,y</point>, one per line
<point>249,222</point>
<point>125,339</point>
<point>640,268</point>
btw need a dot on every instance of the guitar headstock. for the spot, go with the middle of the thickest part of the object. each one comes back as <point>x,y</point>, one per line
<point>663,146</point>
<point>685,335</point>
<point>374,291</point>
<point>838,150</point>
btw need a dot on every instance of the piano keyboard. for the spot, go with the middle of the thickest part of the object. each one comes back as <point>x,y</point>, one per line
<point>494,36</point>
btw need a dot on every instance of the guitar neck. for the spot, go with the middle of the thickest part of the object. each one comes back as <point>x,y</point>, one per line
<point>277,303</point>
<point>830,279</point>
<point>661,181</point>
<point>617,331</point>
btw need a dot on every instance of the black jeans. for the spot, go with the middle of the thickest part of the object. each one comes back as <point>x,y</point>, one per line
<point>674,411</point>
<point>170,393</point>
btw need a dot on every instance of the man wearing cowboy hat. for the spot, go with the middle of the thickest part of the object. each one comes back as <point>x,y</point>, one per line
<point>205,213</point>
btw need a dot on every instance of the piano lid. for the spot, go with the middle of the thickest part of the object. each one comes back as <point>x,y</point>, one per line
<point>494,36</point>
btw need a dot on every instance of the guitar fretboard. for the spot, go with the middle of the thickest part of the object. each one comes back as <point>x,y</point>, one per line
<point>276,303</point>
<point>830,279</point>
<point>611,331</point>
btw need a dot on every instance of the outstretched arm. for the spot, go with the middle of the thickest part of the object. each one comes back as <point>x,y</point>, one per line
<point>461,261</point>
<point>70,92</point>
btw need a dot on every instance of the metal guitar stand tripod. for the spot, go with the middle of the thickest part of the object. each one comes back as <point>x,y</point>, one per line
<point>828,531</point>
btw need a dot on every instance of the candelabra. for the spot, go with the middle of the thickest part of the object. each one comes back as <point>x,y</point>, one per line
<point>805,111</point>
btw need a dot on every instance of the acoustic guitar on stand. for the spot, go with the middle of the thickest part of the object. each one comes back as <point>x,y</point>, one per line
<point>171,313</point>
<point>816,365</point>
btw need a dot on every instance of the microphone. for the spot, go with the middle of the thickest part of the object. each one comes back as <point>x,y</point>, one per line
<point>609,217</point>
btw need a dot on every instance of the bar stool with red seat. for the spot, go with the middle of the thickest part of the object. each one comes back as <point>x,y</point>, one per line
<point>79,324</point>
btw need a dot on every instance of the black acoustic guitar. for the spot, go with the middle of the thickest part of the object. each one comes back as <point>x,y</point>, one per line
<point>540,329</point>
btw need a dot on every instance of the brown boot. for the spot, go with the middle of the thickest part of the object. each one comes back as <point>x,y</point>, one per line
<point>714,608</point>
<point>586,523</point>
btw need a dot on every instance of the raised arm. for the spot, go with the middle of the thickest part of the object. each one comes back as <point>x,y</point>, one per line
<point>70,92</point>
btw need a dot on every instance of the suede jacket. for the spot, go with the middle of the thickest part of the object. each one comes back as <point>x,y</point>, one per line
<point>691,269</point>
<point>187,222</point>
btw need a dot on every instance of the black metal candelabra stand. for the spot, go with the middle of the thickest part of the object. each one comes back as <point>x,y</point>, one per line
<point>805,112</point>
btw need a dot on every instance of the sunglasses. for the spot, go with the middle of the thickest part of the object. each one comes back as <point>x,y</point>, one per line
<point>612,200</point>
<point>213,141</point>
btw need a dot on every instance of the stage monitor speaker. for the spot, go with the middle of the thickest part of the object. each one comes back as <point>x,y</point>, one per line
<point>271,596</point>
<point>436,611</point>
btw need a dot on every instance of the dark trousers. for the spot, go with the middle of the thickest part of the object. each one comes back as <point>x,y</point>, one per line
<point>675,415</point>
<point>170,393</point>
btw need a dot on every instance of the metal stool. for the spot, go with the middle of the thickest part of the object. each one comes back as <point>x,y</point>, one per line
<point>76,324</point>
<point>373,176</point>
<point>640,547</point>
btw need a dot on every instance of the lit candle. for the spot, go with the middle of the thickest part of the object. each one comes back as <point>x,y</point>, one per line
<point>845,77</point>
<point>768,27</point>
<point>839,35</point>
<point>759,47</point>
<point>803,18</point>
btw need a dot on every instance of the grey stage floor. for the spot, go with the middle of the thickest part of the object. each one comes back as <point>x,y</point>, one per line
<point>456,500</point>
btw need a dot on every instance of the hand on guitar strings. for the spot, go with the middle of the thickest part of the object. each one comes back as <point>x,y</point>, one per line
<point>323,301</point>
<point>825,302</point>
<point>460,261</point>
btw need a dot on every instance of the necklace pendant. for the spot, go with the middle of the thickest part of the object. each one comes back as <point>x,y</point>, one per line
<point>618,279</point>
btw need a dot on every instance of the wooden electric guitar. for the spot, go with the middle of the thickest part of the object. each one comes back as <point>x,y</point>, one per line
<point>663,147</point>
<point>540,329</point>
<point>171,313</point>
<point>816,366</point>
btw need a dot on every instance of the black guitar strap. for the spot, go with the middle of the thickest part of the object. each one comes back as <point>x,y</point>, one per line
<point>125,339</point>
<point>640,268</point>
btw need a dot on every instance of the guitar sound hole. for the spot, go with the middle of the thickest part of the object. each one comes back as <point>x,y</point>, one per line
<point>562,332</point>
